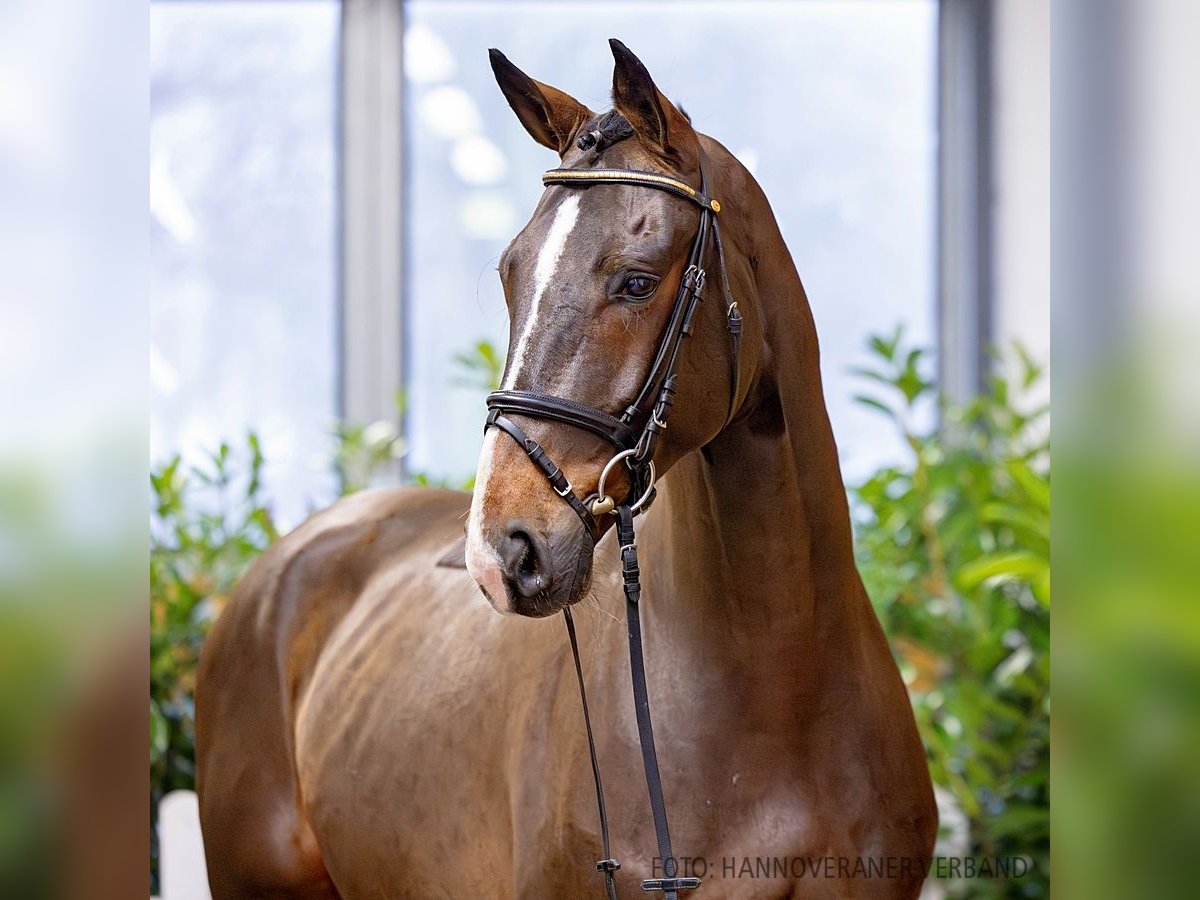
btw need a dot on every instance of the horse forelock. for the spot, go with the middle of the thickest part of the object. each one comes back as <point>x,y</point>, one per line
<point>612,127</point>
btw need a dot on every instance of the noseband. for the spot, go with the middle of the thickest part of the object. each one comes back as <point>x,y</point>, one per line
<point>634,434</point>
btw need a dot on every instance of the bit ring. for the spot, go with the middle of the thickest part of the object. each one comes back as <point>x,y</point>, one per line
<point>601,504</point>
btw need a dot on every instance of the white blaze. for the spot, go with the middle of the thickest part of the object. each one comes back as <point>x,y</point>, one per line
<point>565,218</point>
<point>483,562</point>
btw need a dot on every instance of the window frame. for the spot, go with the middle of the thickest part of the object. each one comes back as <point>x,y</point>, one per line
<point>371,175</point>
<point>964,266</point>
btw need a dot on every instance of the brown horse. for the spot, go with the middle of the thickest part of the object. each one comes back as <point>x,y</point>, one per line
<point>367,726</point>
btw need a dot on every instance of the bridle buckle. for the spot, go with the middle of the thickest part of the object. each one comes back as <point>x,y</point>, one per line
<point>670,884</point>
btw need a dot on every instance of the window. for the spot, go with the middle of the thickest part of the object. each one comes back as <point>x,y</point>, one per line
<point>832,105</point>
<point>243,235</point>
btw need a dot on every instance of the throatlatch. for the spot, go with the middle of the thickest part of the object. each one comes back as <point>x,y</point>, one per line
<point>634,434</point>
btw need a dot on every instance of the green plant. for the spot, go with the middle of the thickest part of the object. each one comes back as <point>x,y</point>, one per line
<point>480,367</point>
<point>209,523</point>
<point>361,452</point>
<point>954,547</point>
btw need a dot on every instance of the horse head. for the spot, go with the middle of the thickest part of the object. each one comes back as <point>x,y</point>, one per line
<point>593,285</point>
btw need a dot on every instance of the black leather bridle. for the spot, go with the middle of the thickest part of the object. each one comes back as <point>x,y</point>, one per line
<point>634,433</point>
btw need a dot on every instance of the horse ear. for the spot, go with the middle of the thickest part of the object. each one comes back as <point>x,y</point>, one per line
<point>548,114</point>
<point>655,118</point>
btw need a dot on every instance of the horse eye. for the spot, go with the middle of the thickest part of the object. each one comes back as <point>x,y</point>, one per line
<point>639,287</point>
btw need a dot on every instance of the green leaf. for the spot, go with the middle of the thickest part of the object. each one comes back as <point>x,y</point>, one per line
<point>1030,524</point>
<point>878,405</point>
<point>1035,486</point>
<point>159,733</point>
<point>1019,565</point>
<point>872,375</point>
<point>886,347</point>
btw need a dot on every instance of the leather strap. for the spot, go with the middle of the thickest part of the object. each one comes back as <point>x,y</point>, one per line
<point>553,473</point>
<point>679,326</point>
<point>672,883</point>
<point>633,176</point>
<point>733,325</point>
<point>608,865</point>
<point>733,320</point>
<point>546,406</point>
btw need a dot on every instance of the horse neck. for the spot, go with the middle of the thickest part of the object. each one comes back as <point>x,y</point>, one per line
<point>750,557</point>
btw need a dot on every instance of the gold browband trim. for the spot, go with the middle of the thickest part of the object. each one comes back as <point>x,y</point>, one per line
<point>629,176</point>
<point>617,175</point>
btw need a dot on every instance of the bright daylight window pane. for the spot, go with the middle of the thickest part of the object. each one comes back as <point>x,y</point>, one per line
<point>243,239</point>
<point>831,104</point>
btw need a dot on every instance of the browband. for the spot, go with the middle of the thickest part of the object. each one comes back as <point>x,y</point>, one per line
<point>632,176</point>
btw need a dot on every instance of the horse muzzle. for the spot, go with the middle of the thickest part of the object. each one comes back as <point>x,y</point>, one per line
<point>527,570</point>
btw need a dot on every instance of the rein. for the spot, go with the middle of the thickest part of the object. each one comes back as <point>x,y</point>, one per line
<point>634,434</point>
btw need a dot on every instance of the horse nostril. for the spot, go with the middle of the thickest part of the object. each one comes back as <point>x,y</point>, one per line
<point>525,561</point>
<point>526,565</point>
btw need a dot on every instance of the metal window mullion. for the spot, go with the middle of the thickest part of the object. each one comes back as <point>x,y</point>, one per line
<point>371,210</point>
<point>964,244</point>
